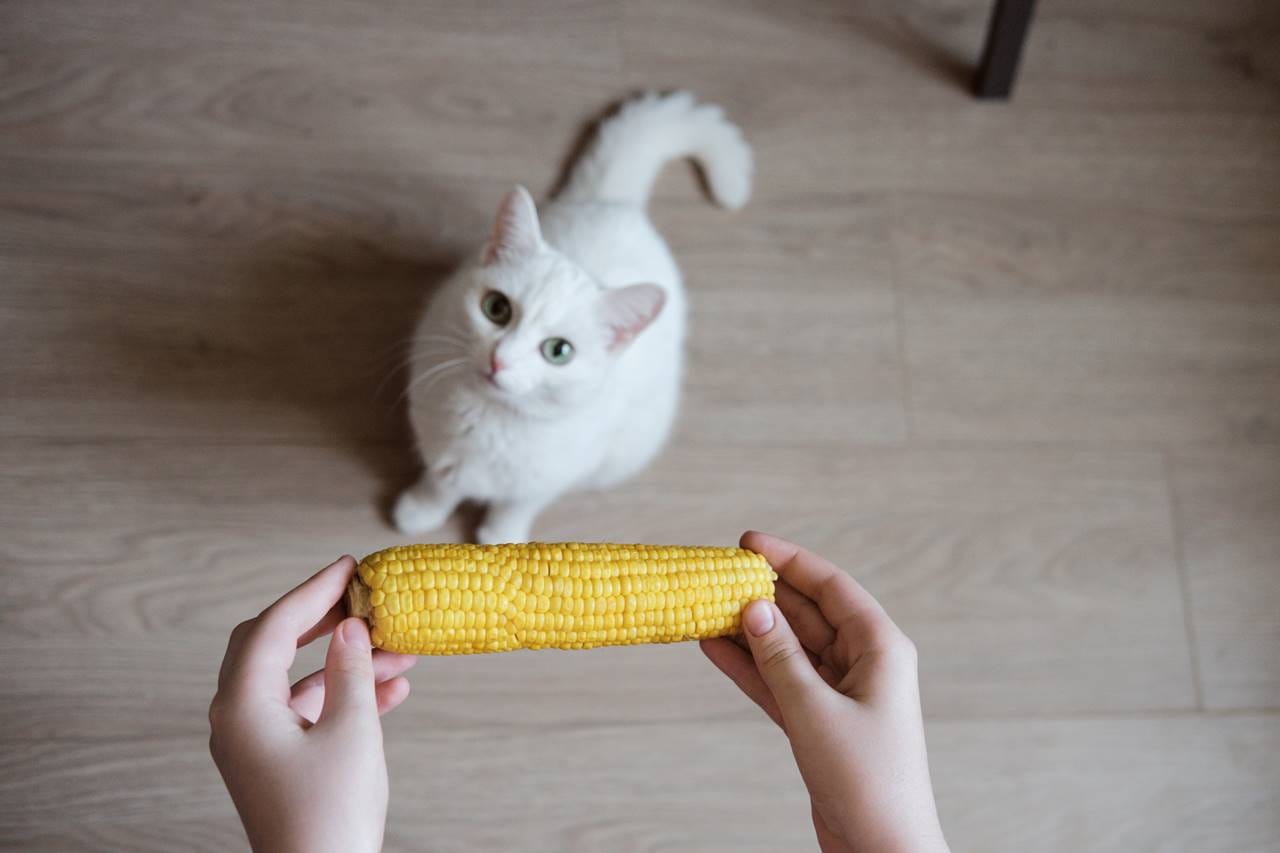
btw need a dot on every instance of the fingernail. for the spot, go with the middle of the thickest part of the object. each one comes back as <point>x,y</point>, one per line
<point>354,635</point>
<point>758,618</point>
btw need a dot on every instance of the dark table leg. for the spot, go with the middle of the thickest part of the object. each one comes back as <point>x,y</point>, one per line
<point>1009,22</point>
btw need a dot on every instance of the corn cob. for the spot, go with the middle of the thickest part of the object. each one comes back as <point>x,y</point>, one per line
<point>465,599</point>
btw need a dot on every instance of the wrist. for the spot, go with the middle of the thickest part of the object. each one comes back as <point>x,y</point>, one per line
<point>919,839</point>
<point>908,836</point>
<point>316,839</point>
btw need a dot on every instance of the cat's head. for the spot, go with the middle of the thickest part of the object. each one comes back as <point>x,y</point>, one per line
<point>542,331</point>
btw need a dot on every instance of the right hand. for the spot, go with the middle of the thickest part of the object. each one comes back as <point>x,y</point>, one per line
<point>304,764</point>
<point>829,666</point>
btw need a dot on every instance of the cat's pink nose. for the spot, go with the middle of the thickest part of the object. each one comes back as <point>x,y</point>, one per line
<point>495,363</point>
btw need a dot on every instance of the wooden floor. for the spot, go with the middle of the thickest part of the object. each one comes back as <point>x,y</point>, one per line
<point>1017,367</point>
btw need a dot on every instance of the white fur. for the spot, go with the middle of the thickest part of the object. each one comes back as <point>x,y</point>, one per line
<point>595,272</point>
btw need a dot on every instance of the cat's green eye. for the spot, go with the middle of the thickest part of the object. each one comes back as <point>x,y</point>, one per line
<point>557,351</point>
<point>496,307</point>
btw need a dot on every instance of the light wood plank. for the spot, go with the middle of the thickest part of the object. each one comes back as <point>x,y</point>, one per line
<point>74,794</point>
<point>1129,784</point>
<point>171,548</point>
<point>730,786</point>
<point>1066,322</point>
<point>1032,581</point>
<point>1147,55</point>
<point>409,87</point>
<point>274,275</point>
<point>227,306</point>
<point>1123,785</point>
<point>562,34</point>
<point>1179,56</point>
<point>775,354</point>
<point>1229,516</point>
<point>859,101</point>
<point>217,222</point>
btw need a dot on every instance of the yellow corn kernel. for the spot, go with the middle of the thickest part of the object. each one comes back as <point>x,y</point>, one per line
<point>465,599</point>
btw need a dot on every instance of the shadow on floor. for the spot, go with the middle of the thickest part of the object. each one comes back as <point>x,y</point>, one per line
<point>296,336</point>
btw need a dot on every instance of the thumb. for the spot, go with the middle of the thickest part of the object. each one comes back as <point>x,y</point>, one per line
<point>348,674</point>
<point>779,656</point>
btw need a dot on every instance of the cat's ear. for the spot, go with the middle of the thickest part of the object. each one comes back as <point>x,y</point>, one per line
<point>515,229</point>
<point>628,311</point>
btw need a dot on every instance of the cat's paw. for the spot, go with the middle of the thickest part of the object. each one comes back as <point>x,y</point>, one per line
<point>413,515</point>
<point>501,534</point>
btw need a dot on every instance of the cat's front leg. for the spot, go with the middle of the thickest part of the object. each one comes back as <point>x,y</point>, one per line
<point>509,521</point>
<point>424,506</point>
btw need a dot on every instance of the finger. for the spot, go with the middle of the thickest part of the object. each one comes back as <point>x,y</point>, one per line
<point>307,701</point>
<point>815,633</point>
<point>270,647</point>
<point>779,657</point>
<point>327,623</point>
<point>305,607</point>
<point>386,665</point>
<point>741,669</point>
<point>391,693</point>
<point>231,658</point>
<point>349,695</point>
<point>841,599</point>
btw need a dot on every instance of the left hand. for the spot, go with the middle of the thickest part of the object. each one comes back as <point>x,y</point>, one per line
<point>304,764</point>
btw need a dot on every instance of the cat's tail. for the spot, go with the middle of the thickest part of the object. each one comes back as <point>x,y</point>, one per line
<point>630,148</point>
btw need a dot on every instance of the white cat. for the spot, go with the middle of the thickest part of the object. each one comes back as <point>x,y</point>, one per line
<point>553,361</point>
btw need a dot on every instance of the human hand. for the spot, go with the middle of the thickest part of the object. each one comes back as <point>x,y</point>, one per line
<point>830,667</point>
<point>304,764</point>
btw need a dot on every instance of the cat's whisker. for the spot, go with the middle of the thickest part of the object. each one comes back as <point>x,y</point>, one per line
<point>394,345</point>
<point>395,371</point>
<point>408,361</point>
<point>439,369</point>
<point>405,346</point>
<point>456,340</point>
<point>432,383</point>
<point>417,353</point>
<point>430,357</point>
<point>392,363</point>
